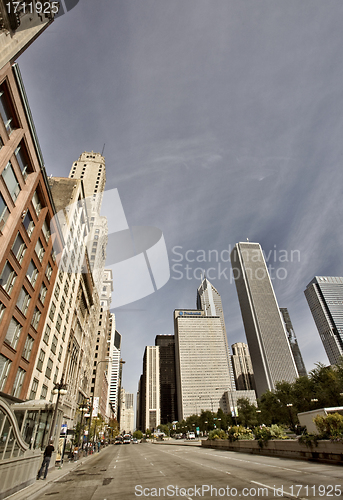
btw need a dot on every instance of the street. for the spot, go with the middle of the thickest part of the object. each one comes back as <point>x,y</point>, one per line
<point>173,470</point>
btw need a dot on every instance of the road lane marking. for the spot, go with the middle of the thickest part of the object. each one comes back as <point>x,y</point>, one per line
<point>162,473</point>
<point>277,489</point>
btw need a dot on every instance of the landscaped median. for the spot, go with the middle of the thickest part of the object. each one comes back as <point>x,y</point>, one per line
<point>326,451</point>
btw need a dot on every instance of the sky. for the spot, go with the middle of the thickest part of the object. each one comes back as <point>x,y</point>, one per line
<point>222,121</point>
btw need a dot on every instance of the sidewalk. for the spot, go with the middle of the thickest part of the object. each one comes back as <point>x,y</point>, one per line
<point>39,486</point>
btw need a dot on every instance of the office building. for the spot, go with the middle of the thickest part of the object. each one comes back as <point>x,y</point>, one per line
<point>66,347</point>
<point>114,380</point>
<point>202,370</point>
<point>149,411</point>
<point>324,295</point>
<point>127,416</point>
<point>242,367</point>
<point>293,342</point>
<point>269,348</point>
<point>168,399</point>
<point>209,300</point>
<point>28,265</point>
<point>20,25</point>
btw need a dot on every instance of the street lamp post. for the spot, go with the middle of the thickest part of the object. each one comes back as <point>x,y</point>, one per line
<point>83,408</point>
<point>59,389</point>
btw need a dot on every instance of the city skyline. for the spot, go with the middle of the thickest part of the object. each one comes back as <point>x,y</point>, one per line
<point>212,135</point>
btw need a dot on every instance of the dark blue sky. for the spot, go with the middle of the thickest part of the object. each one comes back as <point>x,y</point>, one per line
<point>223,120</point>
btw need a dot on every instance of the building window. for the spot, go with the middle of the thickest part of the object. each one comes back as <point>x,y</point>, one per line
<point>63,304</point>
<point>4,212</point>
<point>36,203</point>
<point>35,318</point>
<point>19,248</point>
<point>18,382</point>
<point>64,333</point>
<point>46,231</point>
<point>42,293</point>
<point>23,300</point>
<point>13,333</point>
<point>5,364</point>
<point>7,278</point>
<point>52,311</point>
<point>47,334</point>
<point>28,223</point>
<point>54,344</point>
<point>58,323</point>
<point>22,160</point>
<point>48,271</point>
<point>6,112</point>
<point>28,348</point>
<point>34,388</point>
<point>2,309</point>
<point>11,181</point>
<point>40,360</point>
<point>57,291</point>
<point>39,250</point>
<point>56,375</point>
<point>44,392</point>
<point>32,273</point>
<point>48,368</point>
<point>60,353</point>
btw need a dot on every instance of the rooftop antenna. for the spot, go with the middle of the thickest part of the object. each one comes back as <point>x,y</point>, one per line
<point>103,149</point>
<point>247,239</point>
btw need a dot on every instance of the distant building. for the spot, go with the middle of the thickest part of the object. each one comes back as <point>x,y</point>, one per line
<point>114,380</point>
<point>269,348</point>
<point>242,367</point>
<point>293,342</point>
<point>168,399</point>
<point>149,391</point>
<point>127,416</point>
<point>202,370</point>
<point>209,300</point>
<point>324,295</point>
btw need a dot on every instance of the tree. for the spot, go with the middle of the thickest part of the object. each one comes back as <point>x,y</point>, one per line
<point>247,415</point>
<point>164,428</point>
<point>138,434</point>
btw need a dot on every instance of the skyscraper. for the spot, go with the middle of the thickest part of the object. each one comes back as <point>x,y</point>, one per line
<point>202,370</point>
<point>114,381</point>
<point>324,295</point>
<point>209,300</point>
<point>149,390</point>
<point>168,400</point>
<point>242,367</point>
<point>293,342</point>
<point>270,352</point>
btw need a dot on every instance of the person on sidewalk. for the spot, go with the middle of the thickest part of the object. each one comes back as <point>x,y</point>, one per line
<point>46,460</point>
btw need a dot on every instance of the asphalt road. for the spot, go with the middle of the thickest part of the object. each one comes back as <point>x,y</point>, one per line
<point>161,470</point>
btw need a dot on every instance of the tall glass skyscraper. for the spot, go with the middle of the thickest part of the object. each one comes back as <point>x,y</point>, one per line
<point>293,342</point>
<point>324,295</point>
<point>270,351</point>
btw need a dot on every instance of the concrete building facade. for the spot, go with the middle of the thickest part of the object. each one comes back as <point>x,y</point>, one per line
<point>242,367</point>
<point>324,295</point>
<point>269,348</point>
<point>202,370</point>
<point>149,390</point>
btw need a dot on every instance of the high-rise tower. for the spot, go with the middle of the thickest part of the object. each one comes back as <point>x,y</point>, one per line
<point>293,342</point>
<point>324,295</point>
<point>166,344</point>
<point>209,300</point>
<point>270,352</point>
<point>202,370</point>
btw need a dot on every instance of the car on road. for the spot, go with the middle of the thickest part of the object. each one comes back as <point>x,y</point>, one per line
<point>127,439</point>
<point>135,441</point>
<point>118,440</point>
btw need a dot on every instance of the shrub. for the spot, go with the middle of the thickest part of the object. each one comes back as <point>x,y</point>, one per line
<point>217,434</point>
<point>330,427</point>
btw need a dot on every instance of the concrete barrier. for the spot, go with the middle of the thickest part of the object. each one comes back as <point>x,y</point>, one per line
<point>326,451</point>
<point>17,473</point>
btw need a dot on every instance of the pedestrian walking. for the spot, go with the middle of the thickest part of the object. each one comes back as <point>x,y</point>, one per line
<point>46,460</point>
